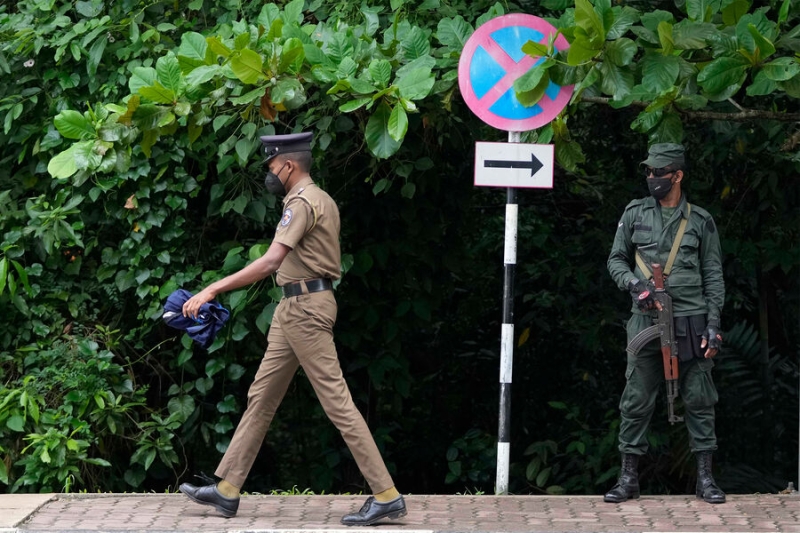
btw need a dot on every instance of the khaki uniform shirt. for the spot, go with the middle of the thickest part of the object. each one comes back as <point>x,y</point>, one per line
<point>695,283</point>
<point>310,227</point>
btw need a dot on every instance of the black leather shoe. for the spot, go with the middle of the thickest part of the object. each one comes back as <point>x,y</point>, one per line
<point>374,511</point>
<point>209,495</point>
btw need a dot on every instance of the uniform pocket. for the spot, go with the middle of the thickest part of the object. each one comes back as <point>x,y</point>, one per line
<point>688,255</point>
<point>698,388</point>
<point>642,237</point>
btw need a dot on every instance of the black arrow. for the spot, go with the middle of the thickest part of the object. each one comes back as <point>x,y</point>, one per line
<point>535,165</point>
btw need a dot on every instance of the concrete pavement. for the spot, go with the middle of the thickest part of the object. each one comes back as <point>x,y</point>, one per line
<point>174,513</point>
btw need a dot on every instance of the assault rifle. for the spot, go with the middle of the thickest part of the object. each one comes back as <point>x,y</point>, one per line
<point>663,328</point>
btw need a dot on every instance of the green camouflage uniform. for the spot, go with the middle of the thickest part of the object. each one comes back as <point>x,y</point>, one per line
<point>698,292</point>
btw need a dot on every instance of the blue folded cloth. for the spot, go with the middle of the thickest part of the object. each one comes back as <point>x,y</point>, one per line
<point>205,327</point>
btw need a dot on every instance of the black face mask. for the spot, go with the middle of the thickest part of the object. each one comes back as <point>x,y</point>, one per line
<point>274,184</point>
<point>659,187</point>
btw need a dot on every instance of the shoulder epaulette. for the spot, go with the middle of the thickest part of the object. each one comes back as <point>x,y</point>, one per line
<point>299,195</point>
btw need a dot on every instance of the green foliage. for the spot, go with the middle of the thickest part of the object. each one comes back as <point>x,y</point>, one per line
<point>63,406</point>
<point>471,458</point>
<point>130,168</point>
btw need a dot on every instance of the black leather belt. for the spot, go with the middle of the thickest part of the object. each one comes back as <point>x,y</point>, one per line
<point>313,285</point>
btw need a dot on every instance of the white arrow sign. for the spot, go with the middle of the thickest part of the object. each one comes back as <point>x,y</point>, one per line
<point>514,165</point>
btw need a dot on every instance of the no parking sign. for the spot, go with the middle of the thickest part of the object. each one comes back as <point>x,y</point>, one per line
<point>492,60</point>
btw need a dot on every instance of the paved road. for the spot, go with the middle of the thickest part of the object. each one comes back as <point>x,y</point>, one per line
<point>172,513</point>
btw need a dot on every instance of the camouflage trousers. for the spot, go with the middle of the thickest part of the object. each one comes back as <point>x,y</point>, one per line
<point>645,381</point>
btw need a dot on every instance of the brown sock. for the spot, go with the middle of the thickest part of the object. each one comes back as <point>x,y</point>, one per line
<point>227,490</point>
<point>387,495</point>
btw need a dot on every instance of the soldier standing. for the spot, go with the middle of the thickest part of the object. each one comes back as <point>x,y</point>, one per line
<point>683,237</point>
<point>305,255</point>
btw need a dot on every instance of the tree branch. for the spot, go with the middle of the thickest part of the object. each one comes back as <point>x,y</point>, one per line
<point>738,116</point>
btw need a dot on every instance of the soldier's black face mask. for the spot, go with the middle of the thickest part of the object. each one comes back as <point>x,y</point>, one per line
<point>661,182</point>
<point>274,184</point>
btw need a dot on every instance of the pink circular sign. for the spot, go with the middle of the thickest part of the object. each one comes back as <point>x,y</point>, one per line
<point>492,60</point>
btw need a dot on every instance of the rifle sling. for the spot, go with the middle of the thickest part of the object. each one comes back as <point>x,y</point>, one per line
<point>673,253</point>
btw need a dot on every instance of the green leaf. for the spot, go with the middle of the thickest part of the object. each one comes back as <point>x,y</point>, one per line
<point>352,105</point>
<point>454,32</point>
<point>16,423</point>
<point>243,149</point>
<point>761,85</point>
<point>415,44</point>
<point>586,18</point>
<point>293,11</point>
<point>624,18</point>
<point>692,35</point>
<point>3,274</point>
<point>218,47</point>
<point>764,45</point>
<point>530,87</point>
<point>701,10</point>
<point>158,94</point>
<point>141,77</point>
<point>73,125</point>
<point>659,72</point>
<point>264,319</point>
<point>381,71</point>
<point>415,85</point>
<point>534,49</point>
<point>616,81</point>
<point>289,92</point>
<point>647,120</point>
<point>249,97</point>
<point>669,130</point>
<point>63,165</point>
<point>379,141</point>
<point>734,11</point>
<point>621,51</point>
<point>723,74</point>
<point>201,75</point>
<point>183,406</point>
<point>783,14</point>
<point>581,50</point>
<point>665,37</point>
<point>241,41</point>
<point>569,154</point>
<point>781,69</point>
<point>398,123</point>
<point>193,45</point>
<point>168,72</point>
<point>95,56</point>
<point>292,56</point>
<point>247,66</point>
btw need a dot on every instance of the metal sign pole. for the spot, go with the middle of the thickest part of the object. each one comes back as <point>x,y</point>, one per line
<point>507,336</point>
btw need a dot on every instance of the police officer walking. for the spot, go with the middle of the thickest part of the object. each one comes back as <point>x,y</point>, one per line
<point>306,258</point>
<point>664,228</point>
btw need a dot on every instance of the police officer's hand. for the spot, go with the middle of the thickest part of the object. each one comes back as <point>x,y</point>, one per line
<point>712,338</point>
<point>642,295</point>
<point>192,306</point>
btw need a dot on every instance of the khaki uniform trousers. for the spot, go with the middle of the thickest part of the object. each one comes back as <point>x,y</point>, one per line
<point>645,380</point>
<point>302,334</point>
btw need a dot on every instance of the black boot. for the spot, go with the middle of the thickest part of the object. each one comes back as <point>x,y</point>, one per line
<point>627,486</point>
<point>707,488</point>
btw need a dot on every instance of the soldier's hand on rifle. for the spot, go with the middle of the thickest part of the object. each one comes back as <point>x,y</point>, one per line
<point>712,338</point>
<point>642,293</point>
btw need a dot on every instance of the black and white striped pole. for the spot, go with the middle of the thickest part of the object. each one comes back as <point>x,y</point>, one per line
<point>507,336</point>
